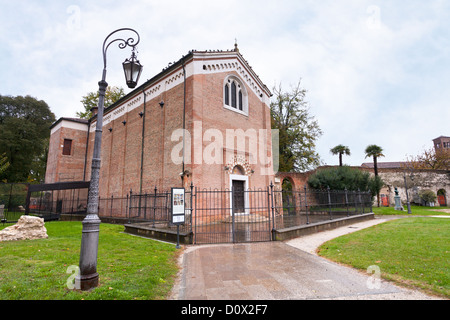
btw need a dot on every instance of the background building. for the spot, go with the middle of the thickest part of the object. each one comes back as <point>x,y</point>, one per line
<point>441,143</point>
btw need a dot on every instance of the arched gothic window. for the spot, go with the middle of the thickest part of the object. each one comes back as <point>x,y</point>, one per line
<point>235,96</point>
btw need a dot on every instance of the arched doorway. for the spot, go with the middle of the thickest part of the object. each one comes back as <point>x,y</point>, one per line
<point>442,199</point>
<point>238,185</point>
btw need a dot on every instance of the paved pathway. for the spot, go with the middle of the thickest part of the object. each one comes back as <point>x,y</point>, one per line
<point>278,271</point>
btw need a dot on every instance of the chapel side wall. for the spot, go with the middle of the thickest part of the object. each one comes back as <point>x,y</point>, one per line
<point>51,173</point>
<point>121,150</point>
<point>131,159</point>
<point>174,121</point>
<point>161,169</point>
<point>153,144</point>
<point>122,145</point>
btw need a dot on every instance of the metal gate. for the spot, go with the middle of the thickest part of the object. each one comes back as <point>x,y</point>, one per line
<point>231,216</point>
<point>244,215</point>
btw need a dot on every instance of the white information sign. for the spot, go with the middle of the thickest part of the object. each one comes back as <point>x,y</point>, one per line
<point>178,204</point>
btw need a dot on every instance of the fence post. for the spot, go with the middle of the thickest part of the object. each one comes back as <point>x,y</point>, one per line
<point>191,208</point>
<point>233,236</point>
<point>329,202</point>
<point>273,211</point>
<point>268,208</point>
<point>71,207</point>
<point>306,205</point>
<point>195,219</point>
<point>359,200</point>
<point>346,201</point>
<point>154,207</point>
<point>129,206</point>
<point>9,200</point>
<point>126,208</point>
<point>112,201</point>
<point>145,205</point>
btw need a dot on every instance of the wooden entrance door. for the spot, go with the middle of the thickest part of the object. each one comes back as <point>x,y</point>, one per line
<point>442,200</point>
<point>238,196</point>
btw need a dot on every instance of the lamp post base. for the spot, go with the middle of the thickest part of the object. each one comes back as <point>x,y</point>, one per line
<point>86,282</point>
<point>88,277</point>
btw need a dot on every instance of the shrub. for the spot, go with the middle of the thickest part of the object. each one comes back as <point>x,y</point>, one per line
<point>427,196</point>
<point>344,177</point>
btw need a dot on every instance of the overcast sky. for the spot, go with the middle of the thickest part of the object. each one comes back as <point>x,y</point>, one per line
<point>376,72</point>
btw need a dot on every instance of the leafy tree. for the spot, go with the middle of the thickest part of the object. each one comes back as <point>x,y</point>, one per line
<point>24,129</point>
<point>430,159</point>
<point>298,130</point>
<point>427,196</point>
<point>39,165</point>
<point>340,150</point>
<point>341,178</point>
<point>375,185</point>
<point>4,164</point>
<point>90,100</point>
<point>375,152</point>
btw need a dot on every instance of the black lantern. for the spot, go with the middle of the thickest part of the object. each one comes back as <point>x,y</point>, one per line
<point>132,69</point>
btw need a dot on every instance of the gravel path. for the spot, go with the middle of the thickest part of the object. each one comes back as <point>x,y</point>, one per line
<point>311,243</point>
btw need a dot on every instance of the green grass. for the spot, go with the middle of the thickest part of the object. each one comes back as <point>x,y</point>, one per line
<point>414,252</point>
<point>12,215</point>
<point>415,210</point>
<point>129,267</point>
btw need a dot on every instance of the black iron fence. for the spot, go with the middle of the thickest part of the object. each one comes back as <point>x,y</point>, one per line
<point>219,217</point>
<point>213,216</point>
<point>299,207</point>
<point>12,201</point>
<point>47,201</point>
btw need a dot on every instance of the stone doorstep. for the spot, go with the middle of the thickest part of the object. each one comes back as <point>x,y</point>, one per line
<point>141,229</point>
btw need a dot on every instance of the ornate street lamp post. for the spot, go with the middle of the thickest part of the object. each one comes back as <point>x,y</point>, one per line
<point>88,276</point>
<point>408,204</point>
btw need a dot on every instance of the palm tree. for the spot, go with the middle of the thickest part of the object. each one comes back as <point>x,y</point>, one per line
<point>375,152</point>
<point>340,149</point>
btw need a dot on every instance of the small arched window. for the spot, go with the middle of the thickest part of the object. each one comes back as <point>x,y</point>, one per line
<point>227,94</point>
<point>235,95</point>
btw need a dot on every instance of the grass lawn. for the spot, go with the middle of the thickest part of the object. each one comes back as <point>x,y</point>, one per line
<point>129,267</point>
<point>412,251</point>
<point>415,211</point>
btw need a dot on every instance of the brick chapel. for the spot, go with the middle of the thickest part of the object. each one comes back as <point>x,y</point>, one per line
<point>204,119</point>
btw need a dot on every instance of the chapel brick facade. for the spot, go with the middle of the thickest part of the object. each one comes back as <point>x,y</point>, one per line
<point>214,95</point>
